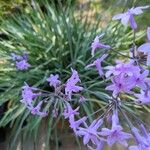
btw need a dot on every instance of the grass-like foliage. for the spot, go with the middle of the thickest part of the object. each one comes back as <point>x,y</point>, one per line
<point>57,38</point>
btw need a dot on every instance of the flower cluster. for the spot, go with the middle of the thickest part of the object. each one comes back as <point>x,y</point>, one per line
<point>53,80</point>
<point>128,78</point>
<point>29,95</point>
<point>145,48</point>
<point>71,84</point>
<point>128,17</point>
<point>21,61</point>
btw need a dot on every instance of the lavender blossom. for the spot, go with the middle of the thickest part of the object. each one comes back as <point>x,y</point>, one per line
<point>21,61</point>
<point>115,134</point>
<point>53,80</point>
<point>121,84</point>
<point>146,135</point>
<point>69,111</point>
<point>128,17</point>
<point>28,95</point>
<point>16,57</point>
<point>143,97</point>
<point>141,80</point>
<point>122,68</point>
<point>145,48</point>
<point>36,110</point>
<point>22,65</point>
<point>97,63</point>
<point>97,44</point>
<point>90,133</point>
<point>148,33</point>
<point>142,142</point>
<point>74,77</point>
<point>134,147</point>
<point>71,86</point>
<point>75,124</point>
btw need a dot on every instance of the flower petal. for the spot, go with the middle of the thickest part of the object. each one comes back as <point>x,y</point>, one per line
<point>144,48</point>
<point>105,132</point>
<point>134,147</point>
<point>118,16</point>
<point>132,22</point>
<point>86,139</point>
<point>138,10</point>
<point>148,33</point>
<point>125,19</point>
<point>148,60</point>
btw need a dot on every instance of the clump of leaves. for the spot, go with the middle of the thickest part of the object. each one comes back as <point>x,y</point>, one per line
<point>56,39</point>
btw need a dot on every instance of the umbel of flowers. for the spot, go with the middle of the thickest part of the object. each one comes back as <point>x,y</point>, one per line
<point>125,77</point>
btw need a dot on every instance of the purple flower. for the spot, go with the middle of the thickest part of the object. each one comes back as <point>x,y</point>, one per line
<point>69,111</point>
<point>122,68</point>
<point>145,48</point>
<point>22,65</point>
<point>97,63</point>
<point>121,84</point>
<point>21,61</point>
<point>71,86</point>
<point>90,132</point>
<point>141,79</point>
<point>148,33</point>
<point>74,77</point>
<point>143,97</point>
<point>146,135</point>
<point>53,80</point>
<point>115,134</point>
<point>36,110</point>
<point>28,95</point>
<point>142,142</point>
<point>97,44</point>
<point>128,17</point>
<point>16,57</point>
<point>115,119</point>
<point>134,147</point>
<point>75,124</point>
